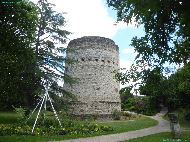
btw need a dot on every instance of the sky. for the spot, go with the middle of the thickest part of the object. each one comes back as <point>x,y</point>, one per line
<point>95,18</point>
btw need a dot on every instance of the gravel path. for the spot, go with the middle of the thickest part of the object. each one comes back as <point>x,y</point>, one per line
<point>163,126</point>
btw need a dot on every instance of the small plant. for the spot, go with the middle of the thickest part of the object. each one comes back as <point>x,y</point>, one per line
<point>21,113</point>
<point>95,116</point>
<point>116,115</point>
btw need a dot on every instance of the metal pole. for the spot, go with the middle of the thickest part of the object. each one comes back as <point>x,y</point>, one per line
<point>56,116</point>
<point>38,113</point>
<point>34,110</point>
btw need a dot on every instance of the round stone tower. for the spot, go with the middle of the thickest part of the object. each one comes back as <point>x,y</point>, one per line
<point>96,90</point>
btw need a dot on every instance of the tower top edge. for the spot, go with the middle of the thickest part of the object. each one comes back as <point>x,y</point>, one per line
<point>92,39</point>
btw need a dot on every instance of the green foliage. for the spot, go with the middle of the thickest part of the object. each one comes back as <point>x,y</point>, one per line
<point>142,105</point>
<point>116,115</point>
<point>176,90</point>
<point>167,39</point>
<point>21,113</point>
<point>71,129</point>
<point>162,137</point>
<point>50,38</point>
<point>31,43</point>
<point>18,81</point>
<point>153,83</point>
<point>167,28</point>
<point>182,112</point>
<point>48,125</point>
<point>125,94</point>
<point>129,115</point>
<point>51,128</point>
<point>50,52</point>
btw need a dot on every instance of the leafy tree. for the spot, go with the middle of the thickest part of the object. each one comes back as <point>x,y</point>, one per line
<point>31,50</point>
<point>18,79</point>
<point>167,39</point>
<point>166,24</point>
<point>177,88</point>
<point>50,51</point>
<point>154,86</point>
<point>125,94</point>
<point>153,83</point>
<point>167,32</point>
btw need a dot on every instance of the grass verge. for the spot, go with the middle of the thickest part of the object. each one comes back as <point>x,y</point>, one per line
<point>162,137</point>
<point>130,125</point>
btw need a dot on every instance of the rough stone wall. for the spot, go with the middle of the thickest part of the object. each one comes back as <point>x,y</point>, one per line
<point>97,91</point>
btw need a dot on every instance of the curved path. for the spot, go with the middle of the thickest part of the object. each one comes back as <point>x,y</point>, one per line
<point>163,126</point>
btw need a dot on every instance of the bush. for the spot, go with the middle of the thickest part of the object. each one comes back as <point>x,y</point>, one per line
<point>143,105</point>
<point>116,115</point>
<point>51,127</point>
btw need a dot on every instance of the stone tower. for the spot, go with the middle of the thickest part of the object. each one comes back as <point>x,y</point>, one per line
<point>97,91</point>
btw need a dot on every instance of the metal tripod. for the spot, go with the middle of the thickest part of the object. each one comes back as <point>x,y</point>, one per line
<point>41,103</point>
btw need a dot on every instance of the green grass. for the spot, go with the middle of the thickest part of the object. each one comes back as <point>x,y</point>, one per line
<point>8,117</point>
<point>29,138</point>
<point>162,137</point>
<point>118,127</point>
<point>125,126</point>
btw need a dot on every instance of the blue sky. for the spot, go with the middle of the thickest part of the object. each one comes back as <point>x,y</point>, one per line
<point>123,39</point>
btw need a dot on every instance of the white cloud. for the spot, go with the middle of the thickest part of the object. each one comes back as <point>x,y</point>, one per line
<point>88,18</point>
<point>125,64</point>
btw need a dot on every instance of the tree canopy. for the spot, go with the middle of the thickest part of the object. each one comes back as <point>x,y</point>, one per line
<point>166,24</point>
<point>31,51</point>
<point>49,44</point>
<point>18,80</point>
<point>166,40</point>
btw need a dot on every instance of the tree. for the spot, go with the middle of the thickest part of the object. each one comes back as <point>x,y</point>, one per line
<point>153,83</point>
<point>125,94</point>
<point>167,28</point>
<point>18,79</point>
<point>31,40</point>
<point>154,86</point>
<point>167,34</point>
<point>177,88</point>
<point>49,49</point>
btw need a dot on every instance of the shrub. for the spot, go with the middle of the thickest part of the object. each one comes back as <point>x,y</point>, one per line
<point>116,115</point>
<point>51,128</point>
<point>143,105</point>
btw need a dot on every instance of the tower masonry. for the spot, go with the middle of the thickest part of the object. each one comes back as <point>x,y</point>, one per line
<point>96,90</point>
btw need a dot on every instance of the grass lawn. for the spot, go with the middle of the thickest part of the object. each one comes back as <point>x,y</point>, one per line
<point>130,125</point>
<point>8,117</point>
<point>118,127</point>
<point>162,137</point>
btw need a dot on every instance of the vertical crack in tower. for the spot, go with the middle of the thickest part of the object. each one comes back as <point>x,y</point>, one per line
<point>97,91</point>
